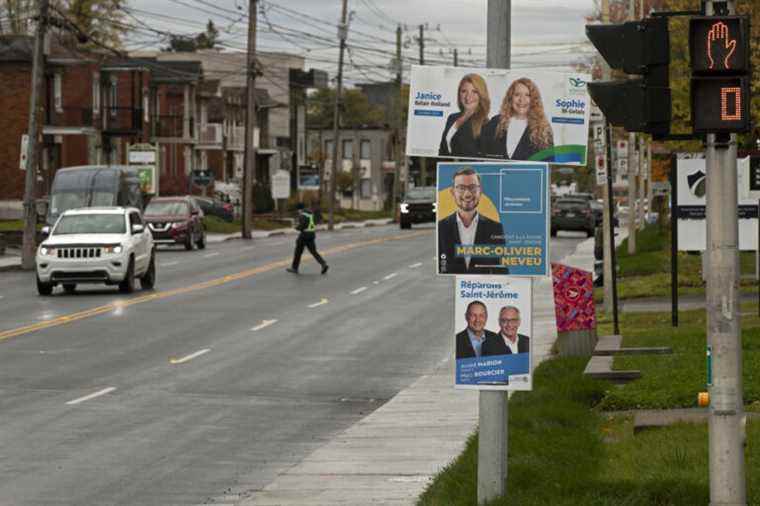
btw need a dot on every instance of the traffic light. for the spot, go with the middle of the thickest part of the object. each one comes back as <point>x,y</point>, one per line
<point>641,48</point>
<point>720,66</point>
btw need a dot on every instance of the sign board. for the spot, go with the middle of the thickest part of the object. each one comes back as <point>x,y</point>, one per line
<point>622,148</point>
<point>24,152</point>
<point>753,178</point>
<point>511,204</point>
<point>691,210</point>
<point>202,177</point>
<point>493,326</point>
<point>597,130</point>
<point>559,106</point>
<point>601,169</point>
<point>281,185</point>
<point>144,157</point>
<point>622,166</point>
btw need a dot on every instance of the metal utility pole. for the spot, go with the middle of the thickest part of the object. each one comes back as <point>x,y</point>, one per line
<point>632,169</point>
<point>632,193</point>
<point>493,405</point>
<point>342,34</point>
<point>607,195</point>
<point>727,419</point>
<point>249,174</point>
<point>29,241</point>
<point>423,160</point>
<point>398,106</point>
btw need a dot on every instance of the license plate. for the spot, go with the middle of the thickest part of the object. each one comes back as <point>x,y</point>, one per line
<point>570,215</point>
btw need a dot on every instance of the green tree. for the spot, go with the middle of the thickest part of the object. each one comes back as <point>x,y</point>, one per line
<point>192,43</point>
<point>356,109</point>
<point>99,19</point>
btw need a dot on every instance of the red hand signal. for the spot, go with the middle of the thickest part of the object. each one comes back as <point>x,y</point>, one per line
<point>719,45</point>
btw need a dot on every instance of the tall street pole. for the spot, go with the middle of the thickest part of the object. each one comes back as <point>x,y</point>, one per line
<point>632,169</point>
<point>423,160</point>
<point>607,194</point>
<point>398,113</point>
<point>29,240</point>
<point>250,123</point>
<point>342,34</point>
<point>493,405</point>
<point>727,418</point>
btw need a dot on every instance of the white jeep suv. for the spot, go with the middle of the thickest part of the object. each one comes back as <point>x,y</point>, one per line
<point>108,245</point>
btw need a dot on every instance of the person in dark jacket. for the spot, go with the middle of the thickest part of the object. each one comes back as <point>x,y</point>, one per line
<point>521,129</point>
<point>507,341</point>
<point>467,227</point>
<point>471,340</point>
<point>307,238</point>
<point>461,136</point>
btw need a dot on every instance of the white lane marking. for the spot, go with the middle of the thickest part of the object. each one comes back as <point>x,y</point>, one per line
<point>320,303</point>
<point>390,276</point>
<point>264,324</point>
<point>248,248</point>
<point>168,264</point>
<point>212,255</point>
<point>277,243</point>
<point>359,290</point>
<point>375,282</point>
<point>414,266</point>
<point>92,396</point>
<point>188,358</point>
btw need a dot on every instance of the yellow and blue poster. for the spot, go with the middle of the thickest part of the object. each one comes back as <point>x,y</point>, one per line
<point>493,326</point>
<point>493,218</point>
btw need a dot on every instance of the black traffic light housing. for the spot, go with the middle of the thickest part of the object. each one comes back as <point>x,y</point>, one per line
<point>721,73</point>
<point>642,48</point>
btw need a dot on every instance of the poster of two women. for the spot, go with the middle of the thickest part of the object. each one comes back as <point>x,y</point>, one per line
<point>498,114</point>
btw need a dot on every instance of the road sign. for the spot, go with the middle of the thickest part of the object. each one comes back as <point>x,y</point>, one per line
<point>202,177</point>
<point>622,148</point>
<point>281,184</point>
<point>601,169</point>
<point>144,157</point>
<point>24,151</point>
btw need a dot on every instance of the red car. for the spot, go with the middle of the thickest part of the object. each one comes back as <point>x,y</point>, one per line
<point>176,220</point>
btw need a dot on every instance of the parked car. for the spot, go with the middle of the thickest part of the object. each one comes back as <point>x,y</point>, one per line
<point>417,206</point>
<point>107,245</point>
<point>572,214</point>
<point>176,220</point>
<point>215,207</point>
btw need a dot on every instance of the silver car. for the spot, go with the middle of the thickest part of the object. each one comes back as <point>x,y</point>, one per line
<point>109,245</point>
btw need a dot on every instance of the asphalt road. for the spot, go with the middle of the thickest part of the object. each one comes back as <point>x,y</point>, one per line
<point>231,370</point>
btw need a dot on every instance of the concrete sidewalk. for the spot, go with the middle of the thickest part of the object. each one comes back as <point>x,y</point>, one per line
<point>390,456</point>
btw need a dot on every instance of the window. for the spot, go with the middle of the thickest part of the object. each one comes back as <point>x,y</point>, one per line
<point>348,149</point>
<point>328,149</point>
<point>366,188</point>
<point>364,149</point>
<point>114,95</point>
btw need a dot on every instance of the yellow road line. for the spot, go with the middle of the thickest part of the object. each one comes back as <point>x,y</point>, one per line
<point>89,313</point>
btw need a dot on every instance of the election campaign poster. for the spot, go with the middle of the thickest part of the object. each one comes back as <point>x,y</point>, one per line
<point>493,218</point>
<point>477,113</point>
<point>493,326</point>
<point>692,202</point>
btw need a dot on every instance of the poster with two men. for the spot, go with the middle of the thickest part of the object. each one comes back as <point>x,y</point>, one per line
<point>501,129</point>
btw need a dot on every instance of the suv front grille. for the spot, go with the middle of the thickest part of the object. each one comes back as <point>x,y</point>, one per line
<point>79,252</point>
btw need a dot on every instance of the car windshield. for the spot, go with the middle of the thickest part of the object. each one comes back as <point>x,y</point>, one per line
<point>90,224</point>
<point>571,204</point>
<point>65,200</point>
<point>421,193</point>
<point>167,208</point>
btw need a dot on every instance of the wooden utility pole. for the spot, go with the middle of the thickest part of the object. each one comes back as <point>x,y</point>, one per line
<point>456,58</point>
<point>249,173</point>
<point>423,160</point>
<point>342,34</point>
<point>399,113</point>
<point>29,241</point>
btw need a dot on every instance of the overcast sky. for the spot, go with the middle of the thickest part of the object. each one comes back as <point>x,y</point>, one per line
<point>545,33</point>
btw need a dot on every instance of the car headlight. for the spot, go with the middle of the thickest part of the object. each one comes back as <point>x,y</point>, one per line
<point>114,249</point>
<point>404,207</point>
<point>179,224</point>
<point>435,207</point>
<point>47,251</point>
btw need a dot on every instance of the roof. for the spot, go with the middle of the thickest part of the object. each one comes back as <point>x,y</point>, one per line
<point>20,48</point>
<point>99,210</point>
<point>161,71</point>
